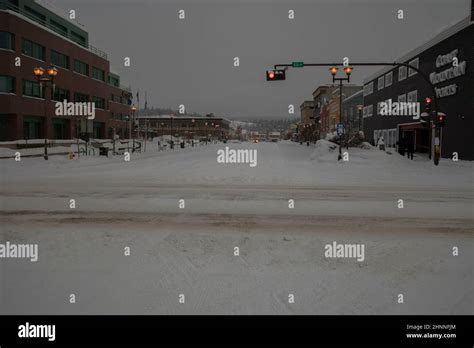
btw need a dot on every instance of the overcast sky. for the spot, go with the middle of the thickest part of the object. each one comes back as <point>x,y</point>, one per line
<point>190,61</point>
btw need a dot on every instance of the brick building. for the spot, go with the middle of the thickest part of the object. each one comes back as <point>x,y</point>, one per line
<point>34,35</point>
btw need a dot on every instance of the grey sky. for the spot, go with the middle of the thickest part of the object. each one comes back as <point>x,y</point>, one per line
<point>190,61</point>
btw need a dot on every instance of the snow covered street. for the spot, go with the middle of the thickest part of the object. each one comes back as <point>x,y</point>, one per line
<point>190,250</point>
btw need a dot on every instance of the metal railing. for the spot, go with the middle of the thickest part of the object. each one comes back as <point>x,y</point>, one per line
<point>7,6</point>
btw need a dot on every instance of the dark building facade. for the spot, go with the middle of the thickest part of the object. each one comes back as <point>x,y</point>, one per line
<point>448,61</point>
<point>32,35</point>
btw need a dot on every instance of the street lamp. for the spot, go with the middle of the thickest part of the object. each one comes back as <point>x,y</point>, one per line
<point>348,70</point>
<point>133,108</point>
<point>45,76</point>
<point>333,70</point>
<point>359,109</point>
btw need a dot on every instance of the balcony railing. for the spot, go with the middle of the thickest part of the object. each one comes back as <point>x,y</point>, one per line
<point>92,49</point>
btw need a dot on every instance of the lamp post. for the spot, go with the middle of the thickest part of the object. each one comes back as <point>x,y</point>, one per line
<point>171,132</point>
<point>192,125</point>
<point>132,124</point>
<point>359,109</point>
<point>45,76</point>
<point>333,70</point>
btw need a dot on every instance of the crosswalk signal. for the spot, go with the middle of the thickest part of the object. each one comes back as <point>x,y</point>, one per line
<point>274,75</point>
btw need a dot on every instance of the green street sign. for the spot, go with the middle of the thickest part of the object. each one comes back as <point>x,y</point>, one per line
<point>297,64</point>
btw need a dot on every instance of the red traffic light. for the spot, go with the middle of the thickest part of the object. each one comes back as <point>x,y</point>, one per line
<point>441,119</point>
<point>428,101</point>
<point>274,75</point>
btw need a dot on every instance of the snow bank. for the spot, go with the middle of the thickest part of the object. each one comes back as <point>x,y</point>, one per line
<point>325,151</point>
<point>330,136</point>
<point>6,152</point>
<point>366,146</point>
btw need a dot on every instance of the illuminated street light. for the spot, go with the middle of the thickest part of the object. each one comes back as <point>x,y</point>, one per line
<point>348,70</point>
<point>39,73</point>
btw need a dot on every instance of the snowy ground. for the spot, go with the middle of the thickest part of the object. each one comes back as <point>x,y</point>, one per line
<point>190,251</point>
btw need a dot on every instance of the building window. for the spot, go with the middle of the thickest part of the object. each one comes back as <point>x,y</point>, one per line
<point>414,63</point>
<point>402,73</point>
<point>59,59</point>
<point>81,67</point>
<point>33,49</point>
<point>81,98</point>
<point>60,94</point>
<point>32,89</point>
<point>388,79</point>
<point>367,111</point>
<point>116,98</point>
<point>99,102</point>
<point>35,15</point>
<point>32,127</point>
<point>97,130</point>
<point>7,84</point>
<point>59,28</point>
<point>98,74</point>
<point>59,128</point>
<point>7,40</point>
<point>381,83</point>
<point>369,88</point>
<point>412,96</point>
<point>402,98</point>
<point>78,38</point>
<point>114,81</point>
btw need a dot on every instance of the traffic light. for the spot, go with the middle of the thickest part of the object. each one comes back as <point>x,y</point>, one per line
<point>428,102</point>
<point>425,117</point>
<point>274,75</point>
<point>441,119</point>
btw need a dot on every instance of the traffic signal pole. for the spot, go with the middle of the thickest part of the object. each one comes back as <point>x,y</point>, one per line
<point>437,149</point>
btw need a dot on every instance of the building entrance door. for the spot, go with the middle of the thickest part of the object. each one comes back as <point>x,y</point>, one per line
<point>417,133</point>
